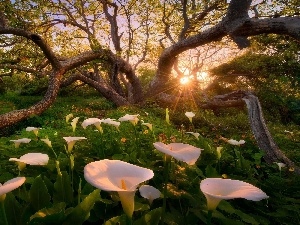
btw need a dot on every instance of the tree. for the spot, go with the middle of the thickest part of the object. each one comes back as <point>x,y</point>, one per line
<point>112,46</point>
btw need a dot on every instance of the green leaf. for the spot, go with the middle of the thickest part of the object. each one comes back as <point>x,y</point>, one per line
<point>151,218</point>
<point>118,220</point>
<point>82,211</point>
<point>63,191</point>
<point>52,215</point>
<point>13,209</point>
<point>39,196</point>
<point>211,171</point>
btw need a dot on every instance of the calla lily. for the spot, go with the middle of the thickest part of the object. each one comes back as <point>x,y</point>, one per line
<point>90,121</point>
<point>196,135</point>
<point>167,116</point>
<point>47,142</point>
<point>71,142</point>
<point>111,122</point>
<point>116,175</point>
<point>74,123</point>
<point>190,115</point>
<point>183,152</point>
<point>217,189</point>
<point>149,192</point>
<point>280,165</point>
<point>149,125</point>
<point>10,185</point>
<point>35,130</point>
<point>132,118</point>
<point>19,141</point>
<point>219,154</point>
<point>234,142</point>
<point>68,117</point>
<point>31,159</point>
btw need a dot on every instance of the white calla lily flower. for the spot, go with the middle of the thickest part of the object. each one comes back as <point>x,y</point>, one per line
<point>35,159</point>
<point>196,135</point>
<point>10,185</point>
<point>281,165</point>
<point>19,141</point>
<point>149,192</point>
<point>234,142</point>
<point>94,121</point>
<point>149,125</point>
<point>131,118</point>
<point>71,142</point>
<point>116,175</point>
<point>190,115</point>
<point>47,142</point>
<point>183,152</point>
<point>35,130</point>
<point>219,153</point>
<point>112,122</point>
<point>217,189</point>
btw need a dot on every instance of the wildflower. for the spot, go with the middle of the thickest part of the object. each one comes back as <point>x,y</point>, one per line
<point>74,123</point>
<point>234,142</point>
<point>112,122</point>
<point>183,152</point>
<point>116,175</point>
<point>131,118</point>
<point>35,130</point>
<point>190,115</point>
<point>68,117</point>
<point>19,141</point>
<point>31,159</point>
<point>90,121</point>
<point>47,142</point>
<point>196,135</point>
<point>149,125</point>
<point>123,140</point>
<point>149,192</point>
<point>71,142</point>
<point>217,189</point>
<point>10,185</point>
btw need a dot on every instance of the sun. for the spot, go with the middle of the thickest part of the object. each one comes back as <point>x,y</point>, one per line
<point>184,80</point>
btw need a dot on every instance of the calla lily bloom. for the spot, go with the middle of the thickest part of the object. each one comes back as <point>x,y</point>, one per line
<point>196,135</point>
<point>149,125</point>
<point>74,123</point>
<point>149,192</point>
<point>47,142</point>
<point>68,117</point>
<point>19,141</point>
<point>234,142</point>
<point>31,159</point>
<point>217,189</point>
<point>35,130</point>
<point>190,115</point>
<point>111,122</point>
<point>183,152</point>
<point>116,175</point>
<point>280,165</point>
<point>90,121</point>
<point>71,142</point>
<point>167,116</point>
<point>10,185</point>
<point>131,118</point>
<point>219,154</point>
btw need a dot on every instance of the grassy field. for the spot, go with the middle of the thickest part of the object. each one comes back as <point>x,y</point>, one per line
<point>185,203</point>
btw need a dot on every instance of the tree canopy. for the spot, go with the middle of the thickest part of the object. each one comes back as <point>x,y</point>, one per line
<point>107,44</point>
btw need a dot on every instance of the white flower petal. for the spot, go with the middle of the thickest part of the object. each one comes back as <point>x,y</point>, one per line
<point>183,152</point>
<point>22,140</point>
<point>115,175</point>
<point>12,184</point>
<point>216,189</point>
<point>149,192</point>
<point>33,159</point>
<point>90,121</point>
<point>70,139</point>
<point>189,114</point>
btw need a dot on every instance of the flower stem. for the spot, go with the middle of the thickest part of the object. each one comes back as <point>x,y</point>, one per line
<point>3,213</point>
<point>209,215</point>
<point>167,161</point>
